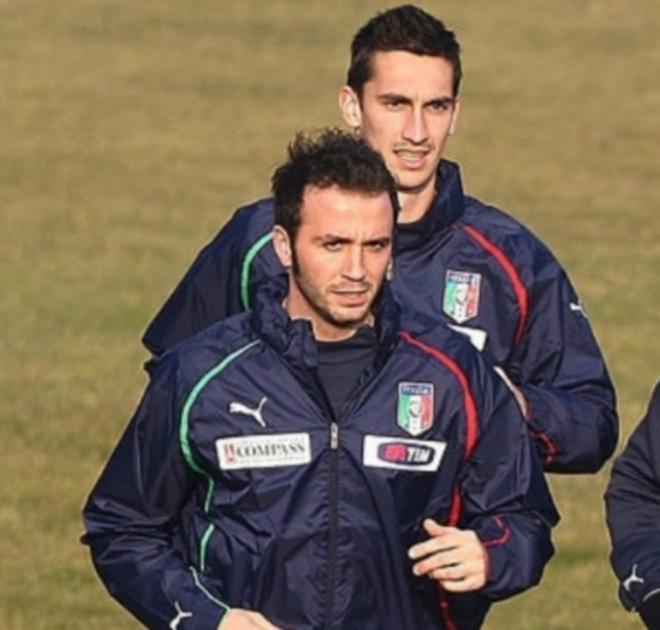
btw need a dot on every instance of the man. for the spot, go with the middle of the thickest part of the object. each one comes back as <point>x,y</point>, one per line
<point>633,517</point>
<point>455,258</point>
<point>273,476</point>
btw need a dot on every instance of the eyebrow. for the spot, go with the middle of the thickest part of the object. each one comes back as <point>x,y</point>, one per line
<point>383,240</point>
<point>388,97</point>
<point>379,240</point>
<point>332,237</point>
<point>392,96</point>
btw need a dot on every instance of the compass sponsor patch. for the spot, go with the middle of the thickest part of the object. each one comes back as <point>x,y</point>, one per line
<point>264,451</point>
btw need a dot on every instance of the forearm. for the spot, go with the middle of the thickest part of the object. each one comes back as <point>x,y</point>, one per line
<point>518,548</point>
<point>633,514</point>
<point>150,580</point>
<point>574,430</point>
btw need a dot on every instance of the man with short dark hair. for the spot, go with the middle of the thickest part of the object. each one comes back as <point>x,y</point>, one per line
<point>456,258</point>
<point>312,464</point>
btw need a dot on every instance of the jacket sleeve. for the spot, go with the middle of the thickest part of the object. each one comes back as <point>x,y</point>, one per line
<point>505,497</point>
<point>633,517</point>
<point>572,411</point>
<point>132,513</point>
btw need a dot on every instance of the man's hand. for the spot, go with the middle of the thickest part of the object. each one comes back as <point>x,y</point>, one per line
<point>454,557</point>
<point>239,619</point>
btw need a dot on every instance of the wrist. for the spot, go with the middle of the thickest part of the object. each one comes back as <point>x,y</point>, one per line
<point>649,611</point>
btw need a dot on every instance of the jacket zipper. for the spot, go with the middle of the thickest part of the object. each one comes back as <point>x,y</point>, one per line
<point>334,520</point>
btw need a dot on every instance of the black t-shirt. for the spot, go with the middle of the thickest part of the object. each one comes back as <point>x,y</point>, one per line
<point>342,362</point>
<point>409,235</point>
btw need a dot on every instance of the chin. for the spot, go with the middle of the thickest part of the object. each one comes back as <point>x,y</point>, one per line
<point>350,320</point>
<point>412,183</point>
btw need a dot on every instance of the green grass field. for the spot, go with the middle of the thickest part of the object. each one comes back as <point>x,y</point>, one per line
<point>131,130</point>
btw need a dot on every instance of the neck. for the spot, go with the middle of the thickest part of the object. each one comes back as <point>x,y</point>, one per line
<point>327,332</point>
<point>415,203</point>
<point>322,329</point>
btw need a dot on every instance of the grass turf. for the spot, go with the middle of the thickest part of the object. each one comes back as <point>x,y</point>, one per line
<point>130,131</point>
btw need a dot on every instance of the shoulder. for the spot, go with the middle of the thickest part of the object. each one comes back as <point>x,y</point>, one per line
<point>450,350</point>
<point>642,449</point>
<point>257,216</point>
<point>247,226</point>
<point>463,375</point>
<point>648,431</point>
<point>501,228</point>
<point>190,361</point>
<point>507,240</point>
<point>654,405</point>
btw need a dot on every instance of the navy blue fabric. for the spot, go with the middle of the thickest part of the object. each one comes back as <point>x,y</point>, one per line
<point>633,515</point>
<point>555,359</point>
<point>340,364</point>
<point>322,544</point>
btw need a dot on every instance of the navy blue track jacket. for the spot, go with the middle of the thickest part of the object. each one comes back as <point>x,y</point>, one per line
<point>633,516</point>
<point>234,484</point>
<point>477,269</point>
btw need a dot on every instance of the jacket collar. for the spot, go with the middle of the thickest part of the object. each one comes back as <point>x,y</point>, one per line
<point>294,339</point>
<point>447,208</point>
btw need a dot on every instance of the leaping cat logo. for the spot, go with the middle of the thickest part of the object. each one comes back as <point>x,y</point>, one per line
<point>237,407</point>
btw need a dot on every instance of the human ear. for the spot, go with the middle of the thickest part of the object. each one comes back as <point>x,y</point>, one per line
<point>454,116</point>
<point>349,106</point>
<point>282,246</point>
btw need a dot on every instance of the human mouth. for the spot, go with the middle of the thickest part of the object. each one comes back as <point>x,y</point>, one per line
<point>352,297</point>
<point>413,158</point>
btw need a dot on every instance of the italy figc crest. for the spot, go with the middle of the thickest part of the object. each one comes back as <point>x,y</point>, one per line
<point>461,298</point>
<point>415,408</point>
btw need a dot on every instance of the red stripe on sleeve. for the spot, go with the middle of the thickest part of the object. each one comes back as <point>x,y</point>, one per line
<point>472,433</point>
<point>503,539</point>
<point>512,273</point>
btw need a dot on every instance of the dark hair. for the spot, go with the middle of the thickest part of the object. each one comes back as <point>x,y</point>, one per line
<point>407,28</point>
<point>333,158</point>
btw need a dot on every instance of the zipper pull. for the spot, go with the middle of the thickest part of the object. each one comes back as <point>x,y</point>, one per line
<point>334,436</point>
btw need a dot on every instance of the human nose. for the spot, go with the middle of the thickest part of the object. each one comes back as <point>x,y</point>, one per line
<point>415,129</point>
<point>354,265</point>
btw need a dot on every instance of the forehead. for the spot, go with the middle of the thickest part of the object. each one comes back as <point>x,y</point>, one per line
<point>404,73</point>
<point>333,210</point>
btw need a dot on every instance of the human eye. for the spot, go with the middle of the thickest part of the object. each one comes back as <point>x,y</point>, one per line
<point>332,245</point>
<point>441,105</point>
<point>394,104</point>
<point>378,246</point>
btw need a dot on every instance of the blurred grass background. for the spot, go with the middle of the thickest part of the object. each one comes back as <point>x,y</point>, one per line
<point>130,132</point>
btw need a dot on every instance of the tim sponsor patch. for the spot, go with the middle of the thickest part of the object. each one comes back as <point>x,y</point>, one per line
<point>402,454</point>
<point>264,451</point>
<point>461,297</point>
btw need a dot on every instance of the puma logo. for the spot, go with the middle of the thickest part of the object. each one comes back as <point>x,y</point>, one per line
<point>632,578</point>
<point>180,614</point>
<point>237,407</point>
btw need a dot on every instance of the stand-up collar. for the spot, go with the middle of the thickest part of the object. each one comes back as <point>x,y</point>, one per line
<point>294,339</point>
<point>446,208</point>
